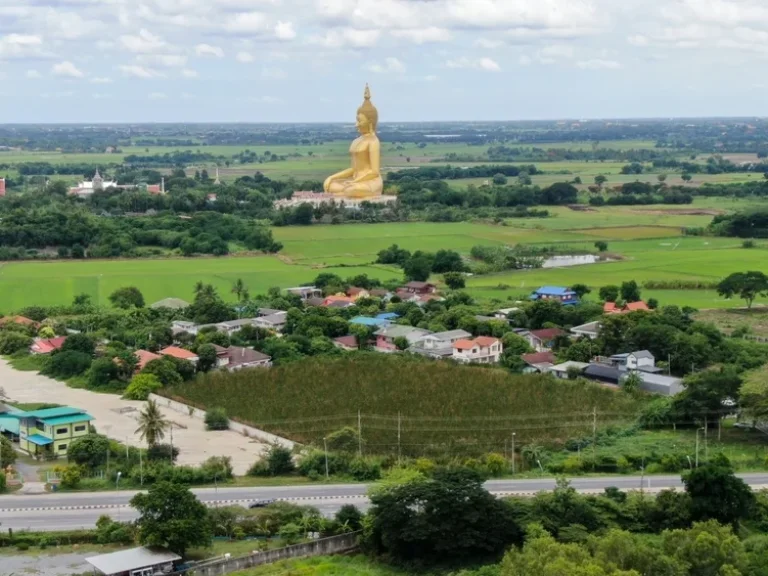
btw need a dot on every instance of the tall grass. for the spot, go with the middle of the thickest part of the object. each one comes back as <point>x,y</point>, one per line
<point>438,407</point>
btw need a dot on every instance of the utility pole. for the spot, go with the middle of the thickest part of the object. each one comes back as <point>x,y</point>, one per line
<point>697,447</point>
<point>513,453</point>
<point>171,455</point>
<point>141,469</point>
<point>359,435</point>
<point>594,437</point>
<point>325,447</point>
<point>398,437</point>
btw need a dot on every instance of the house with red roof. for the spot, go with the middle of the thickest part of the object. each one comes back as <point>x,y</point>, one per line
<point>144,357</point>
<point>47,345</point>
<point>542,340</point>
<point>480,350</point>
<point>346,342</point>
<point>538,362</point>
<point>180,353</point>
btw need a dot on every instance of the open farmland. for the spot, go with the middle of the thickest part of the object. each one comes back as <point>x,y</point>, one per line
<point>646,238</point>
<point>443,408</point>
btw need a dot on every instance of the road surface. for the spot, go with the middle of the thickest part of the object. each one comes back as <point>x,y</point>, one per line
<point>69,511</point>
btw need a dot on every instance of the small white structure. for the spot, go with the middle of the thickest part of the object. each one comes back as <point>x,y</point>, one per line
<point>86,187</point>
<point>439,344</point>
<point>143,561</point>
<point>561,370</point>
<point>271,321</point>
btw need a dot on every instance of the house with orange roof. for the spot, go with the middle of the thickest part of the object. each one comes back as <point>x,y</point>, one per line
<point>20,320</point>
<point>180,353</point>
<point>612,308</point>
<point>480,350</point>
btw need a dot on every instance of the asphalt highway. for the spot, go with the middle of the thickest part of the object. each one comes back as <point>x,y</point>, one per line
<point>69,511</point>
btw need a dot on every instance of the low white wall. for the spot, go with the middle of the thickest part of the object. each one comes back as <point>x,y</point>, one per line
<point>250,431</point>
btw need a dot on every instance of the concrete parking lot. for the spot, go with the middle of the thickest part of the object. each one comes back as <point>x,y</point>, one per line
<point>117,418</point>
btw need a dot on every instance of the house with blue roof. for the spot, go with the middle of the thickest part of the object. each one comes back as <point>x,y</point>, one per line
<point>559,293</point>
<point>48,432</point>
<point>391,316</point>
<point>372,322</point>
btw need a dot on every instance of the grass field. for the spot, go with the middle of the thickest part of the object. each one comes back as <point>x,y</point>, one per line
<point>328,566</point>
<point>443,408</point>
<point>647,238</point>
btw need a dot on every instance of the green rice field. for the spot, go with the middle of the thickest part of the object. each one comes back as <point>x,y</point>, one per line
<point>646,242</point>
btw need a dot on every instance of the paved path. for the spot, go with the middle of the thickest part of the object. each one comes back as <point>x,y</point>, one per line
<point>116,418</point>
<point>81,510</point>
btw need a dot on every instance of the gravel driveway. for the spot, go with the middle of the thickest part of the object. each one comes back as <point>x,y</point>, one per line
<point>116,418</point>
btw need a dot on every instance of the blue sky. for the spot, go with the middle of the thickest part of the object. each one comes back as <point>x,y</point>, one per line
<point>308,60</point>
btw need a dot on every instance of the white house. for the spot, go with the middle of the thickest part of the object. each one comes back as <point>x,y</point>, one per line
<point>639,360</point>
<point>439,344</point>
<point>272,321</point>
<point>591,330</point>
<point>482,350</point>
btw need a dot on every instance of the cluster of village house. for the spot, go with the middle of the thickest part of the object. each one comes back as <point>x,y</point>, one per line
<point>50,431</point>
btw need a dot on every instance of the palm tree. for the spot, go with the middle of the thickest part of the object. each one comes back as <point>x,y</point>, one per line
<point>238,288</point>
<point>152,424</point>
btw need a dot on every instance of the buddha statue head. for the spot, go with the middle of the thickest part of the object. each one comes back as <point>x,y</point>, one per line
<point>367,115</point>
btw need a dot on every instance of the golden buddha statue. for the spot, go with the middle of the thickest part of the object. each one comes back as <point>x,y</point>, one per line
<point>363,179</point>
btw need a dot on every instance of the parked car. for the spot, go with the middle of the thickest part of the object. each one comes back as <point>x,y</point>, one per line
<point>260,503</point>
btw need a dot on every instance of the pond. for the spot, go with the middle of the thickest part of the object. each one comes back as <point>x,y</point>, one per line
<point>563,261</point>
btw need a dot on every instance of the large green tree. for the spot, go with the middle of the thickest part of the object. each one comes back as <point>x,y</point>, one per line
<point>747,285</point>
<point>90,450</point>
<point>127,297</point>
<point>172,517</point>
<point>447,518</point>
<point>717,494</point>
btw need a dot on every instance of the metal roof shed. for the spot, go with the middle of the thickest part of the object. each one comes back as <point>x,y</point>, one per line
<point>143,561</point>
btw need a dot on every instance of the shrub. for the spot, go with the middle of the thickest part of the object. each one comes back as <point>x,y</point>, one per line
<point>103,372</point>
<point>496,465</point>
<point>22,546</point>
<point>162,452</point>
<point>425,466</point>
<point>344,440</point>
<point>7,452</point>
<point>3,482</point>
<point>141,386</point>
<point>315,460</point>
<point>165,371</point>
<point>291,533</point>
<point>12,342</point>
<point>217,468</point>
<point>748,244</point>
<point>572,465</point>
<point>351,516</point>
<point>69,475</point>
<point>67,364</point>
<point>260,468</point>
<point>79,343</point>
<point>279,461</point>
<point>365,469</point>
<point>89,450</point>
<point>216,419</point>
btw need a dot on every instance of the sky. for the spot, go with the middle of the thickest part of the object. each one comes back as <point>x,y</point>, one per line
<point>94,61</point>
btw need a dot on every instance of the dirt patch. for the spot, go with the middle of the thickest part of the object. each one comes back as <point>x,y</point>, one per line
<point>682,212</point>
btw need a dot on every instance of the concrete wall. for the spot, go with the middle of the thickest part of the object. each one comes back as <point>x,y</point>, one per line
<point>252,432</point>
<point>332,545</point>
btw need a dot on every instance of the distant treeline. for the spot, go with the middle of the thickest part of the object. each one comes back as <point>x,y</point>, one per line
<point>457,172</point>
<point>642,199</point>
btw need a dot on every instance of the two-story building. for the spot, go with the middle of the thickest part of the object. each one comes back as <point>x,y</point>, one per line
<point>559,293</point>
<point>481,350</point>
<point>48,433</point>
<point>439,344</point>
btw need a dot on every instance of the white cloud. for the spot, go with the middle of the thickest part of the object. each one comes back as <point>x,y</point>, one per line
<point>554,52</point>
<point>486,64</point>
<point>598,64</point>
<point>391,65</point>
<point>284,31</point>
<point>101,80</point>
<point>189,73</point>
<point>638,40</point>
<point>20,45</point>
<point>525,60</point>
<point>158,96</point>
<point>67,69</point>
<point>349,37</point>
<point>68,25</point>
<point>247,23</point>
<point>208,50</point>
<point>424,35</point>
<point>143,43</point>
<point>33,74</point>
<point>137,71</point>
<point>244,57</point>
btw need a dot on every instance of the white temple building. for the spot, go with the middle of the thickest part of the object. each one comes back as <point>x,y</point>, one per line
<point>97,184</point>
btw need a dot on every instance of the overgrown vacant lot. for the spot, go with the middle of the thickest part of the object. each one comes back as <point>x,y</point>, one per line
<point>441,406</point>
